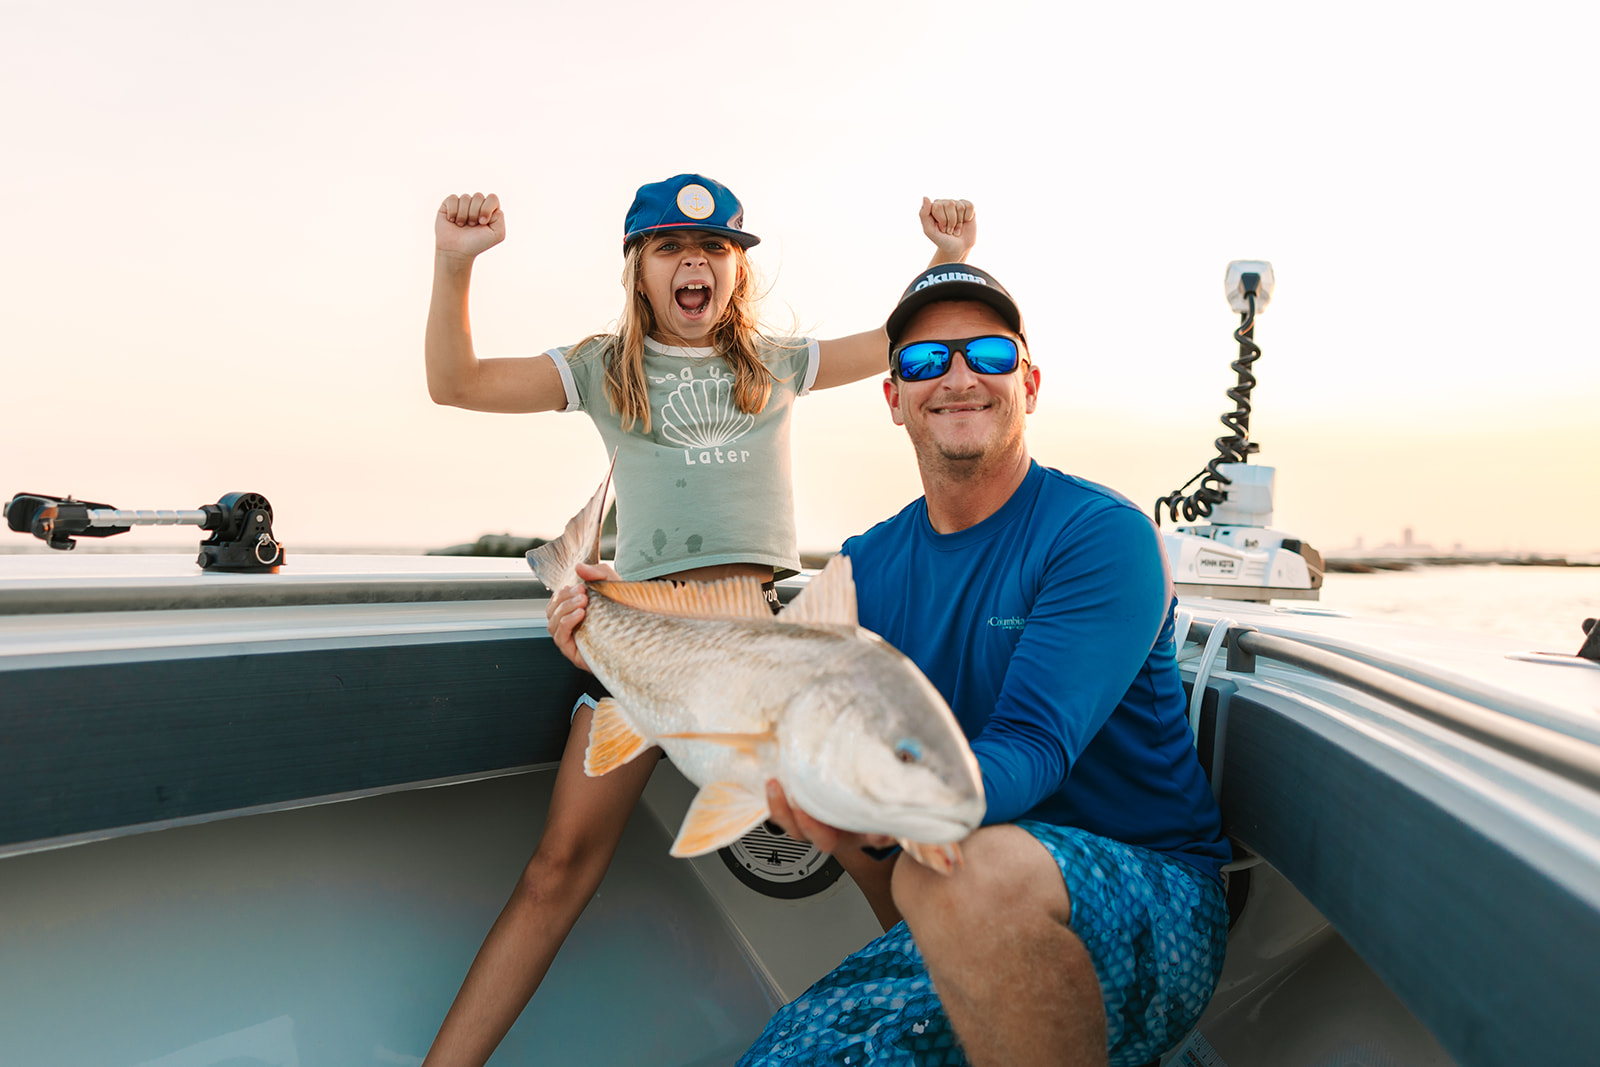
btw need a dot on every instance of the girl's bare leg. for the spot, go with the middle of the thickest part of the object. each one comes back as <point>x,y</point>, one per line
<point>585,825</point>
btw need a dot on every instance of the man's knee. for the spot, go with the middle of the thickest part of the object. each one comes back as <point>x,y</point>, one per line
<point>1006,879</point>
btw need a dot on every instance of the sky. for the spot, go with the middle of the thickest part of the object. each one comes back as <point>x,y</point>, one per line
<point>215,268</point>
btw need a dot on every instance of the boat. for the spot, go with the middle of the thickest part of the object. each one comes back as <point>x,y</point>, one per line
<point>259,807</point>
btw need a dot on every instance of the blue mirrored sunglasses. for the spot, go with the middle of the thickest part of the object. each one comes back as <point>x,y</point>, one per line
<point>921,361</point>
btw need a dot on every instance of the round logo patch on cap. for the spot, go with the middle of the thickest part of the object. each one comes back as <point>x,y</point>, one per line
<point>696,201</point>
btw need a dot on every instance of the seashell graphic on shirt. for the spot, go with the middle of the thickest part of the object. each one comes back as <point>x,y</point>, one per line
<point>701,414</point>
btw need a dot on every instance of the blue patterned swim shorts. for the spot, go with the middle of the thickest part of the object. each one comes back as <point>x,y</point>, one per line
<point>1155,928</point>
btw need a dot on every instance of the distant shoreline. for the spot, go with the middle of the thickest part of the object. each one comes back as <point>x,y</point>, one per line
<point>1374,563</point>
<point>509,546</point>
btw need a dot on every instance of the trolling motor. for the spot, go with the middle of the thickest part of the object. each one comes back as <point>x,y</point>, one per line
<point>241,538</point>
<point>1237,556</point>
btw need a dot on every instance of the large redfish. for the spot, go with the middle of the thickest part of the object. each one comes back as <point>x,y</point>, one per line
<point>851,729</point>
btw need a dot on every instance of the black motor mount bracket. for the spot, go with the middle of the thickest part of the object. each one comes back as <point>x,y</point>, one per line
<point>241,538</point>
<point>241,535</point>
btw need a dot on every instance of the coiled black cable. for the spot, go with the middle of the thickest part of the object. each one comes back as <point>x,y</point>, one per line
<point>1236,447</point>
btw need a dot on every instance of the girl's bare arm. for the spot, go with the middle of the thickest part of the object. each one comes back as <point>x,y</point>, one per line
<point>465,226</point>
<point>952,226</point>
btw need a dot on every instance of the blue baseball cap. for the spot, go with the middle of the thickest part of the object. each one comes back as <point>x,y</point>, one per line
<point>686,202</point>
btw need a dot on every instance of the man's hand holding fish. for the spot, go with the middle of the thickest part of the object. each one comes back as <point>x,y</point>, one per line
<point>797,824</point>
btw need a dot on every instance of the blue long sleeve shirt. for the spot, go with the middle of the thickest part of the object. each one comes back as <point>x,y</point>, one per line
<point>1048,628</point>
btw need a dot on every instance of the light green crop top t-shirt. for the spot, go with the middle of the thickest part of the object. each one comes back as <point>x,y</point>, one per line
<point>709,483</point>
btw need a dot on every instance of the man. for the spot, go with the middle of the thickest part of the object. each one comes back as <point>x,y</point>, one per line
<point>1088,920</point>
<point>1087,924</point>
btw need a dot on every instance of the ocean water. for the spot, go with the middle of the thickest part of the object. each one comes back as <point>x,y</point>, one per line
<point>1543,606</point>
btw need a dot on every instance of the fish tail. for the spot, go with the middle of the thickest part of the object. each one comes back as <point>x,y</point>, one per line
<point>556,562</point>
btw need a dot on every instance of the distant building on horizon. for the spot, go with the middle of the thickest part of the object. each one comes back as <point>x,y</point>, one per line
<point>1408,544</point>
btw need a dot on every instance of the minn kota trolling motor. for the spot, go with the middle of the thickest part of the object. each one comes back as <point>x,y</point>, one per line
<point>1237,555</point>
<point>241,538</point>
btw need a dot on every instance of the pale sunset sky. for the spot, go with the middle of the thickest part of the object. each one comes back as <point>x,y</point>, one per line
<point>215,269</point>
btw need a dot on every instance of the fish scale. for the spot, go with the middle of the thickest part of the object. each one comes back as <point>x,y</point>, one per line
<point>853,731</point>
<point>691,690</point>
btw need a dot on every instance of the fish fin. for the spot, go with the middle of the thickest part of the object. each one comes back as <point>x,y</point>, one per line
<point>942,858</point>
<point>722,813</point>
<point>729,598</point>
<point>830,597</point>
<point>556,562</point>
<point>612,740</point>
<point>749,744</point>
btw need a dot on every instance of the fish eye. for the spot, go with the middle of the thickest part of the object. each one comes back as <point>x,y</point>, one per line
<point>908,750</point>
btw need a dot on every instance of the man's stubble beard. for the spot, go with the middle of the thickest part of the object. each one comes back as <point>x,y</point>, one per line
<point>965,460</point>
<point>952,462</point>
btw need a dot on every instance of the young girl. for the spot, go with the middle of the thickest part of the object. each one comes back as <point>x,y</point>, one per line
<point>695,403</point>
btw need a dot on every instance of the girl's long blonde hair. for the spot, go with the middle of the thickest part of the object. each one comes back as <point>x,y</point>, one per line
<point>734,337</point>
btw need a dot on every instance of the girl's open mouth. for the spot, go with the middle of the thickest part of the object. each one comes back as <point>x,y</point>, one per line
<point>693,298</point>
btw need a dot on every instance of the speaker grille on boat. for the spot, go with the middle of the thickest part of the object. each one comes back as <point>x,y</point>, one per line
<point>771,862</point>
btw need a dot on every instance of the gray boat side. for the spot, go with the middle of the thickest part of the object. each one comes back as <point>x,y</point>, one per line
<point>1406,888</point>
<point>164,695</point>
<point>1457,873</point>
